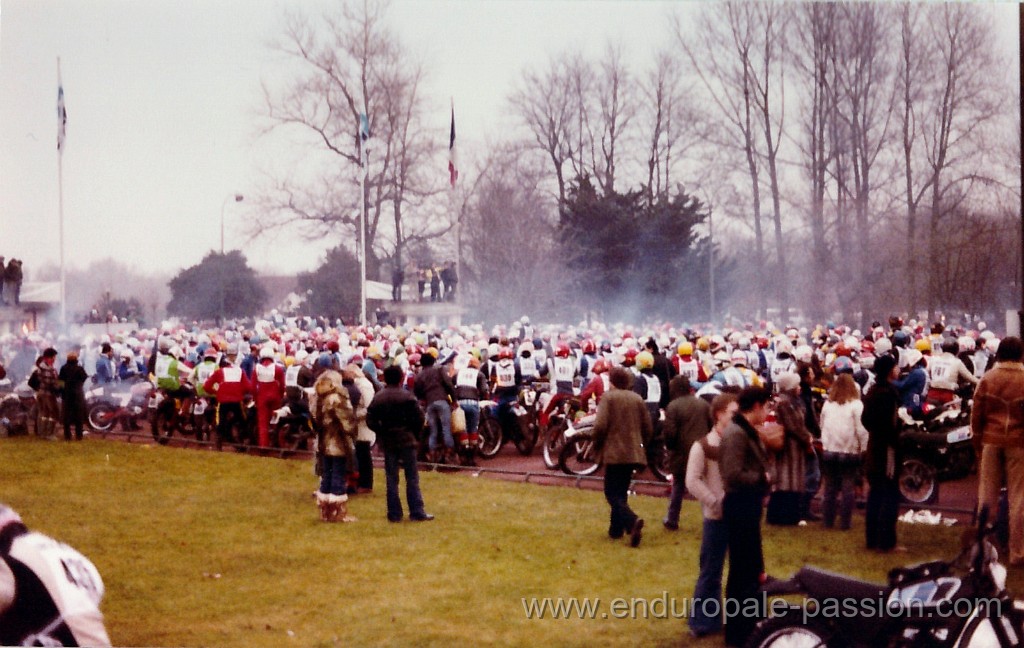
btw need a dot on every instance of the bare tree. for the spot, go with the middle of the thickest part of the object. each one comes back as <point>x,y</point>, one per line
<point>720,54</point>
<point>347,62</point>
<point>546,103</point>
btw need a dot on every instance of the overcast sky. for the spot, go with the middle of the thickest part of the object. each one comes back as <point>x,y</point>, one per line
<point>163,99</point>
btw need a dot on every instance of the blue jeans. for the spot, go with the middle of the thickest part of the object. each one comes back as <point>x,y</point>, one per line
<point>440,412</point>
<point>334,477</point>
<point>675,499</point>
<point>393,459</point>
<point>706,613</point>
<point>472,410</point>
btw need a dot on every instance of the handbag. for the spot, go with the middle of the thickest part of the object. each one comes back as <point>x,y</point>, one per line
<point>458,421</point>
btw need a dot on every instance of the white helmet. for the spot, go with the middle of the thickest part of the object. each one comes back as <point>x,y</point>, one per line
<point>883,345</point>
<point>739,359</point>
<point>266,351</point>
<point>803,353</point>
<point>966,343</point>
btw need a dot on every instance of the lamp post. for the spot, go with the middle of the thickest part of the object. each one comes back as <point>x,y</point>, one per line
<point>238,198</point>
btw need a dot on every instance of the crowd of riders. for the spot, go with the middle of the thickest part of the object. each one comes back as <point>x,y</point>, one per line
<point>273,361</point>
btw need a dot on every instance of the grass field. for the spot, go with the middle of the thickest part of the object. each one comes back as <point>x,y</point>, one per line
<point>199,548</point>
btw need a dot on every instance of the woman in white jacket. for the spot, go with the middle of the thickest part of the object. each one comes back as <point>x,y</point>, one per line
<point>844,440</point>
<point>704,481</point>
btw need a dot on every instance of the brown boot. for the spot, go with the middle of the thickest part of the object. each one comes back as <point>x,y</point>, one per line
<point>341,510</point>
<point>323,501</point>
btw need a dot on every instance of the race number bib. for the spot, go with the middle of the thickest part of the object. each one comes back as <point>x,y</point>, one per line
<point>291,376</point>
<point>467,377</point>
<point>564,370</point>
<point>528,366</point>
<point>265,373</point>
<point>505,375</point>
<point>70,578</point>
<point>689,369</point>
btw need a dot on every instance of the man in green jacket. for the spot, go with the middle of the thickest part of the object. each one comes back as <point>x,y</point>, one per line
<point>687,420</point>
<point>622,428</point>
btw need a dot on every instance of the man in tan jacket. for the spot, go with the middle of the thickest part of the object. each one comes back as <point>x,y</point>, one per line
<point>997,422</point>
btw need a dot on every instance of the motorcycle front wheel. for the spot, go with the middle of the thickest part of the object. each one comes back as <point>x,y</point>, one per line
<point>528,433</point>
<point>789,631</point>
<point>490,437</point>
<point>162,422</point>
<point>554,439</point>
<point>919,482</point>
<point>102,417</point>
<point>577,456</point>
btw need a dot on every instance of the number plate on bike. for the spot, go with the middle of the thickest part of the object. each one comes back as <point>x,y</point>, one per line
<point>199,408</point>
<point>960,434</point>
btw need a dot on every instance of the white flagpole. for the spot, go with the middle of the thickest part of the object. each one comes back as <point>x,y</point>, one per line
<point>364,159</point>
<point>60,193</point>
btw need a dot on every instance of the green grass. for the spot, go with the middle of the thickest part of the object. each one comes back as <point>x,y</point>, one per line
<point>160,522</point>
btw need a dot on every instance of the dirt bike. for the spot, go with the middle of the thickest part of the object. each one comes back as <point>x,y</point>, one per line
<point>578,455</point>
<point>172,413</point>
<point>493,435</point>
<point>559,421</point>
<point>18,411</point>
<point>961,603</point>
<point>291,427</point>
<point>936,448</point>
<point>109,406</point>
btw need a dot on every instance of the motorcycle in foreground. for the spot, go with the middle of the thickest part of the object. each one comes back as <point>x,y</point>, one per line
<point>107,406</point>
<point>524,435</point>
<point>962,603</point>
<point>937,448</point>
<point>578,455</point>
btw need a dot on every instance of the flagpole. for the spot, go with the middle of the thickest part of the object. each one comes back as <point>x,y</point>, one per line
<point>60,201</point>
<point>364,159</point>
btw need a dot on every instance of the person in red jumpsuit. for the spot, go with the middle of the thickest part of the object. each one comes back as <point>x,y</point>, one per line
<point>268,381</point>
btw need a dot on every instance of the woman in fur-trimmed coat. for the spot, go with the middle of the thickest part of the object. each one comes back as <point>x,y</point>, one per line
<point>336,424</point>
<point>790,468</point>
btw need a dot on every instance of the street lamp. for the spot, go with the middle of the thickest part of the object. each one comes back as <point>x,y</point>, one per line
<point>238,198</point>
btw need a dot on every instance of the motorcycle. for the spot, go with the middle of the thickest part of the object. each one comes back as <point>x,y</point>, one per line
<point>291,426</point>
<point>961,603</point>
<point>937,448</point>
<point>578,455</point>
<point>18,410</point>
<point>170,414</point>
<point>108,406</point>
<point>493,435</point>
<point>559,421</point>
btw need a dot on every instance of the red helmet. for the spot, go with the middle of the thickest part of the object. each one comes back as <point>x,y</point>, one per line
<point>589,346</point>
<point>601,366</point>
<point>868,347</point>
<point>506,353</point>
<point>843,351</point>
<point>563,351</point>
<point>414,359</point>
<point>630,359</point>
<point>762,341</point>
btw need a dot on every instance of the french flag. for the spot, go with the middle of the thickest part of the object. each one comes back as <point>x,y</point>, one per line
<point>453,168</point>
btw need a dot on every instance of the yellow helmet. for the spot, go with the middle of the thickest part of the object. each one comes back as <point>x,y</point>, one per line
<point>703,344</point>
<point>923,345</point>
<point>289,361</point>
<point>644,360</point>
<point>685,348</point>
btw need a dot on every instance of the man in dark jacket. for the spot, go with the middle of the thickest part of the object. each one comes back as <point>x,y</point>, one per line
<point>687,419</point>
<point>434,387</point>
<point>744,466</point>
<point>396,417</point>
<point>72,379</point>
<point>883,458</point>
